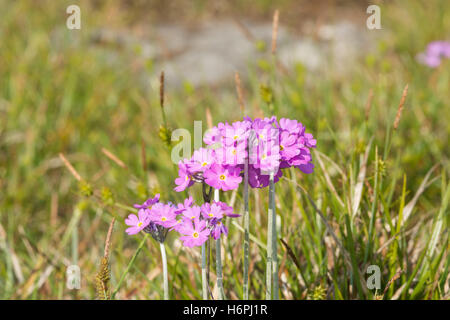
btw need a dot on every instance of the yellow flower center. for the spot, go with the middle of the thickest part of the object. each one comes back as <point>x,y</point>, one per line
<point>163,219</point>
<point>140,224</point>
<point>222,177</point>
<point>204,164</point>
<point>235,137</point>
<point>264,156</point>
<point>281,147</point>
<point>193,217</point>
<point>211,215</point>
<point>195,234</point>
<point>233,152</point>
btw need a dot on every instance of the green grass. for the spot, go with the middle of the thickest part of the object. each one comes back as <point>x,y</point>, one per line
<point>378,196</point>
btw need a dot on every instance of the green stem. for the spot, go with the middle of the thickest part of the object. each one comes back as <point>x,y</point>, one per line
<point>269,243</point>
<point>164,263</point>
<point>373,210</point>
<point>130,264</point>
<point>219,270</point>
<point>274,238</point>
<point>246,231</point>
<point>204,284</point>
<point>208,264</point>
<point>219,258</point>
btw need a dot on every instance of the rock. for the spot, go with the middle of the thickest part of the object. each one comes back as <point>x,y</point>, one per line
<point>210,53</point>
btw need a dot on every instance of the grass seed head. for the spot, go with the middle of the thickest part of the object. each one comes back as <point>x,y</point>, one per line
<point>102,280</point>
<point>103,275</point>
<point>275,31</point>
<point>400,107</point>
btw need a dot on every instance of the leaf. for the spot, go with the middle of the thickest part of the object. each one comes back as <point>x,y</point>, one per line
<point>360,182</point>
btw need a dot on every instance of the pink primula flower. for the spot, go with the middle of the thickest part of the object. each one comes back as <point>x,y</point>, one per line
<point>192,213</point>
<point>195,233</point>
<point>210,211</point>
<point>163,215</point>
<point>137,223</point>
<point>184,179</point>
<point>223,177</point>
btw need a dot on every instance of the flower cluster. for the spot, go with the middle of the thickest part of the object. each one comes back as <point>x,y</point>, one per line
<point>434,53</point>
<point>267,145</point>
<point>195,224</point>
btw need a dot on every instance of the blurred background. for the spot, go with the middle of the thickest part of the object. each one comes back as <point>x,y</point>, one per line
<point>78,91</point>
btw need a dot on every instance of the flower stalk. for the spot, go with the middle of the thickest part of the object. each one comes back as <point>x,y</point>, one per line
<point>204,280</point>
<point>219,270</point>
<point>130,264</point>
<point>270,225</point>
<point>246,231</point>
<point>219,258</point>
<point>165,273</point>
<point>205,249</point>
<point>274,238</point>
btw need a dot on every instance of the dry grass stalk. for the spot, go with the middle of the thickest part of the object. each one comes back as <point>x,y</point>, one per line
<point>400,107</point>
<point>239,91</point>
<point>108,238</point>
<point>291,253</point>
<point>104,275</point>
<point>395,277</point>
<point>161,89</point>
<point>70,167</point>
<point>114,158</point>
<point>209,121</point>
<point>275,31</point>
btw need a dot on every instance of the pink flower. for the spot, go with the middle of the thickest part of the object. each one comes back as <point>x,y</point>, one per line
<point>435,52</point>
<point>210,211</point>
<point>194,234</point>
<point>288,145</point>
<point>212,136</point>
<point>223,177</point>
<point>266,156</point>
<point>267,144</point>
<point>231,155</point>
<point>201,160</point>
<point>184,179</point>
<point>218,228</point>
<point>192,213</point>
<point>310,142</point>
<point>137,223</point>
<point>228,210</point>
<point>303,157</point>
<point>183,206</point>
<point>235,134</point>
<point>291,126</point>
<point>306,168</point>
<point>262,133</point>
<point>148,203</point>
<point>258,179</point>
<point>163,215</point>
<point>271,120</point>
<point>270,159</point>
